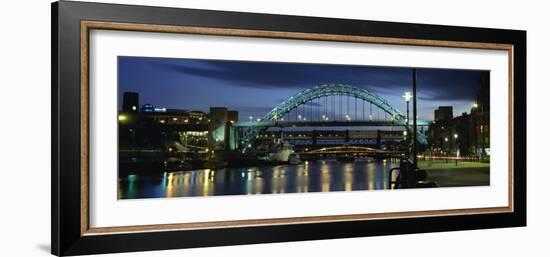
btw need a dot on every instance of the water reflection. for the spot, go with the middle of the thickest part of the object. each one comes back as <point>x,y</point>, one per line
<point>312,176</point>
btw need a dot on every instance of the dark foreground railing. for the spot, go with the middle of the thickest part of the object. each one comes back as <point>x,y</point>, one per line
<point>409,176</point>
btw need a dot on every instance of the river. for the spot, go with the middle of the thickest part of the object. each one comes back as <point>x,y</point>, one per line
<point>313,176</point>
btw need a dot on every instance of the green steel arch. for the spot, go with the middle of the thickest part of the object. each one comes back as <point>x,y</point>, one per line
<point>331,90</point>
<point>336,90</point>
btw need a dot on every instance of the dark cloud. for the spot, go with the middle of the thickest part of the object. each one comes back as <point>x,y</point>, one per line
<point>255,109</point>
<point>435,84</point>
<point>289,75</point>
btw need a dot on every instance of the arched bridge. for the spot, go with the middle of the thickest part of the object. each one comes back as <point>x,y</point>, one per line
<point>326,90</point>
<point>356,151</point>
<point>327,105</point>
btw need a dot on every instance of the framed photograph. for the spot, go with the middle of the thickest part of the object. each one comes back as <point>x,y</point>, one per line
<point>178,128</point>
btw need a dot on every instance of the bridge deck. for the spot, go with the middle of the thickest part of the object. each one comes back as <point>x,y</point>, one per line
<point>284,124</point>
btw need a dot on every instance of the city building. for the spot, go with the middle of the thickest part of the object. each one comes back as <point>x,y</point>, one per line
<point>198,117</point>
<point>233,116</point>
<point>147,108</point>
<point>443,113</point>
<point>467,134</point>
<point>480,124</point>
<point>151,127</point>
<point>130,102</point>
<point>159,127</point>
<point>217,127</point>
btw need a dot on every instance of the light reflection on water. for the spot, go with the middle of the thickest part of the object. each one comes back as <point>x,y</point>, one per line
<point>312,176</point>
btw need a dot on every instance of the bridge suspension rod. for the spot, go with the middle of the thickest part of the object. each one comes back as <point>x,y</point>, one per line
<point>355,114</point>
<point>363,110</point>
<point>370,115</point>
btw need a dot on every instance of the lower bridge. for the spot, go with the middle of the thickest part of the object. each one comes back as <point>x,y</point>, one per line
<point>349,151</point>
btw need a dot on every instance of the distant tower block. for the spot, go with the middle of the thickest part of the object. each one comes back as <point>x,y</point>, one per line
<point>233,116</point>
<point>130,102</point>
<point>443,113</point>
<point>483,92</point>
<point>230,136</point>
<point>217,127</point>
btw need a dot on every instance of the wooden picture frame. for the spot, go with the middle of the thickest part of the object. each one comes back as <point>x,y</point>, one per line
<point>71,24</point>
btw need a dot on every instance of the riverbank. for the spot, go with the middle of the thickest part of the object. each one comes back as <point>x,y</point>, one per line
<point>450,164</point>
<point>452,174</point>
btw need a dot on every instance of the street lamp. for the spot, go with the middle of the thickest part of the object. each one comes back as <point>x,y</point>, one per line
<point>480,119</point>
<point>407,97</point>
<point>446,150</point>
<point>457,150</point>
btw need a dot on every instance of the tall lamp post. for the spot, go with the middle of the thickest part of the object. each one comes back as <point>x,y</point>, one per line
<point>457,150</point>
<point>407,97</point>
<point>446,150</point>
<point>415,115</point>
<point>478,136</point>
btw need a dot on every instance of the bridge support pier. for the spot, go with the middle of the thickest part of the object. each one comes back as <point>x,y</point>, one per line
<point>314,137</point>
<point>378,139</point>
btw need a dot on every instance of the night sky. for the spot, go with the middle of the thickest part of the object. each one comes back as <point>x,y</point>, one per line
<point>254,88</point>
